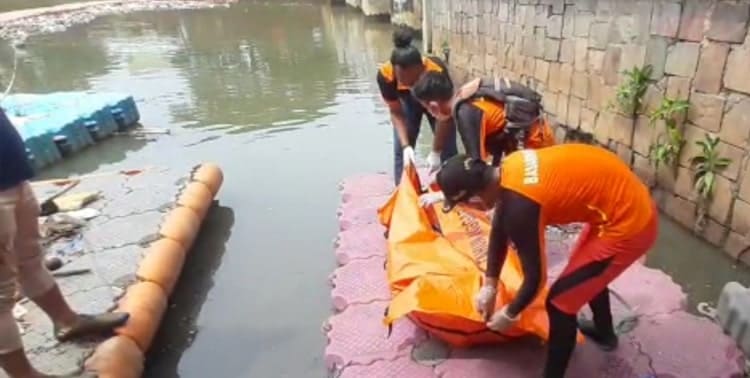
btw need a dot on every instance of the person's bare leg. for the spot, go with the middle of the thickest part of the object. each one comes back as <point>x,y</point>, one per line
<point>56,307</point>
<point>12,356</point>
<point>16,365</point>
<point>39,285</point>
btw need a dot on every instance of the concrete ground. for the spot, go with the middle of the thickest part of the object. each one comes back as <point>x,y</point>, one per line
<point>661,340</point>
<point>111,246</point>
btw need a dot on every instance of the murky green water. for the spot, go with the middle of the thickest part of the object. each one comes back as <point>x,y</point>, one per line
<point>282,95</point>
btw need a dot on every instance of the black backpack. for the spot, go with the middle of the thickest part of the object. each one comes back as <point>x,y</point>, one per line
<point>523,108</point>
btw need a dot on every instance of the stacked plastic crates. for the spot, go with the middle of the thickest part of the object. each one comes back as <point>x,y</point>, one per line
<point>62,123</point>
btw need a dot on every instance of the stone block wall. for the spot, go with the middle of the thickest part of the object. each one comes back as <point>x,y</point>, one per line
<point>574,52</point>
<point>376,7</point>
<point>401,12</point>
<point>407,13</point>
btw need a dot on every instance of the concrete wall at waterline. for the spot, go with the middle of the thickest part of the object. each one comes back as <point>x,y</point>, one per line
<point>402,12</point>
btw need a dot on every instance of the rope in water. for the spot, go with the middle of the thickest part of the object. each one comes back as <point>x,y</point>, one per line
<point>13,75</point>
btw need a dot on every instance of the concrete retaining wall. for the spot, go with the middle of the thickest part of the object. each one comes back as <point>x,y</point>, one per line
<point>575,51</point>
<point>402,12</point>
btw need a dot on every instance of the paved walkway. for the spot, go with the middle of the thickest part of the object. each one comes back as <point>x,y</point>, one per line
<point>665,342</point>
<point>111,246</point>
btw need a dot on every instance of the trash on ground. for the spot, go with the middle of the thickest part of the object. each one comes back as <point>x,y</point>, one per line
<point>84,214</point>
<point>76,201</point>
<point>59,226</point>
<point>19,29</point>
<point>72,272</point>
<point>53,263</point>
<point>73,246</point>
<point>19,311</point>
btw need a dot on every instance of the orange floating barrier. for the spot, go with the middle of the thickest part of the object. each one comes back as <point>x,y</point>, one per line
<point>117,357</point>
<point>181,225</point>
<point>162,264</point>
<point>146,303</point>
<point>435,267</point>
<point>196,196</point>
<point>209,174</point>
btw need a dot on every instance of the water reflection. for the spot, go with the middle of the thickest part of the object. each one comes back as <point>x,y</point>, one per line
<point>253,66</point>
<point>59,62</point>
<point>179,325</point>
<point>306,90</point>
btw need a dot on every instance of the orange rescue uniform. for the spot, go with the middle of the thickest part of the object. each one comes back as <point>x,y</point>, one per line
<point>492,123</point>
<point>577,183</point>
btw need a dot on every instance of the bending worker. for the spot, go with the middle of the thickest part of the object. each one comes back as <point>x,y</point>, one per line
<point>493,117</point>
<point>21,262</point>
<point>394,79</point>
<point>569,183</point>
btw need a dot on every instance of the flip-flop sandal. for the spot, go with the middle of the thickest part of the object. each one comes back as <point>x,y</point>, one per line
<point>92,325</point>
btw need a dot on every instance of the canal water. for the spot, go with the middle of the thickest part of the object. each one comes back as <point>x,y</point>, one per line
<point>282,95</point>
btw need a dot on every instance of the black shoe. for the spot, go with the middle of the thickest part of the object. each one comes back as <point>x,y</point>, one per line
<point>607,342</point>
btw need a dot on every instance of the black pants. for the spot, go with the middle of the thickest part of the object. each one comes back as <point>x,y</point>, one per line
<point>563,327</point>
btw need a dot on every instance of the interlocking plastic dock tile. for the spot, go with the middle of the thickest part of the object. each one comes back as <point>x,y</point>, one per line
<point>357,336</point>
<point>509,360</point>
<point>665,342</point>
<point>402,367</point>
<point>360,211</point>
<point>366,186</point>
<point>649,291</point>
<point>358,282</point>
<point>359,242</point>
<point>683,345</point>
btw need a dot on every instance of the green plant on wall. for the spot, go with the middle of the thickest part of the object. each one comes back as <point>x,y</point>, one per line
<point>630,93</point>
<point>666,150</point>
<point>707,165</point>
<point>446,49</point>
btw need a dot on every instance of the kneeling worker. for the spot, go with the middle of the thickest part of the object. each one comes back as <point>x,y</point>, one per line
<point>493,117</point>
<point>569,183</point>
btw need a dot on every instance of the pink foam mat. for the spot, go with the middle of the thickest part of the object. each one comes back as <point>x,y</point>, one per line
<point>360,281</point>
<point>360,242</point>
<point>665,342</point>
<point>357,336</point>
<point>399,367</point>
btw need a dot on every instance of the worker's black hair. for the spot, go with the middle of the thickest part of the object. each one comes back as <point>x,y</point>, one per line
<point>404,53</point>
<point>433,86</point>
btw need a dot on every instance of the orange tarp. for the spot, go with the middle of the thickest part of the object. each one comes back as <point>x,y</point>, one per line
<point>435,267</point>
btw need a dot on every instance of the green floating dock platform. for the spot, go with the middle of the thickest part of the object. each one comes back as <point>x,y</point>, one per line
<point>56,125</point>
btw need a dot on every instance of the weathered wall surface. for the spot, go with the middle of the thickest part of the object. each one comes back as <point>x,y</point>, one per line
<point>376,7</point>
<point>407,13</point>
<point>574,53</point>
<point>402,12</point>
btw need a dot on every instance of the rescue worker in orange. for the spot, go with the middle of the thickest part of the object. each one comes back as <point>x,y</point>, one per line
<point>395,78</point>
<point>568,183</point>
<point>494,117</point>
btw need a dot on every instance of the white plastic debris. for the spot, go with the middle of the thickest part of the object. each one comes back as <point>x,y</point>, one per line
<point>19,311</point>
<point>18,30</point>
<point>84,214</point>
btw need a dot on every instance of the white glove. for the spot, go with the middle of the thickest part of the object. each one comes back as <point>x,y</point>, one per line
<point>485,301</point>
<point>500,320</point>
<point>431,198</point>
<point>409,157</point>
<point>433,161</point>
